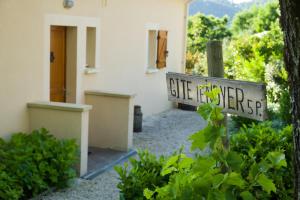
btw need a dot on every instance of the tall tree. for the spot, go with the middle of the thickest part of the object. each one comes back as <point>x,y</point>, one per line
<point>290,22</point>
<point>256,19</point>
<point>202,28</point>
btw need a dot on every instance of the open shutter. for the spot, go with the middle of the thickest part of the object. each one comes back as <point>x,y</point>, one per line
<point>162,52</point>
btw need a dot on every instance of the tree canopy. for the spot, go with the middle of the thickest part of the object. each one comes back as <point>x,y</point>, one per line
<point>256,19</point>
<point>202,28</point>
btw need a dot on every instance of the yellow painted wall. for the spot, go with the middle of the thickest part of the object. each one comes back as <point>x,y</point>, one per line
<point>22,55</point>
<point>122,56</point>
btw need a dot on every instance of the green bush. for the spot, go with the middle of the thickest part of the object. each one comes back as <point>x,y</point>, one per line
<point>285,107</point>
<point>202,28</point>
<point>243,172</point>
<point>239,122</point>
<point>255,142</point>
<point>255,53</point>
<point>143,173</point>
<point>33,163</point>
<point>9,189</point>
<point>196,63</point>
<point>256,19</point>
<point>279,115</point>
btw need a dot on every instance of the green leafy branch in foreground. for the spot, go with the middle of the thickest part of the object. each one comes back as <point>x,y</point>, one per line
<point>217,174</point>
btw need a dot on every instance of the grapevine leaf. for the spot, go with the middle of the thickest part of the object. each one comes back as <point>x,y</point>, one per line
<point>266,183</point>
<point>218,180</point>
<point>235,179</point>
<point>169,166</point>
<point>254,170</point>
<point>205,110</point>
<point>167,171</point>
<point>215,195</point>
<point>247,196</point>
<point>201,138</point>
<point>277,159</point>
<point>186,163</point>
<point>203,165</point>
<point>217,114</point>
<point>148,193</point>
<point>234,160</point>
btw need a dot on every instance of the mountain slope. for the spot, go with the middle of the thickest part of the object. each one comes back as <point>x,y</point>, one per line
<point>216,8</point>
<point>219,8</point>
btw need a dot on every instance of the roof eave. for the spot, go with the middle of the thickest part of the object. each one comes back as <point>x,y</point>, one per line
<point>188,1</point>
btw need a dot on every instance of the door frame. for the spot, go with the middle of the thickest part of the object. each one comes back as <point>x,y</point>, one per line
<point>81,23</point>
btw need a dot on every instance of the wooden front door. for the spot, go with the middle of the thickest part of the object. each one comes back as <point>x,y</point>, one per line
<point>58,64</point>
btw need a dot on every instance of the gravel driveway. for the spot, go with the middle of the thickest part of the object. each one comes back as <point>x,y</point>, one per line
<point>162,134</point>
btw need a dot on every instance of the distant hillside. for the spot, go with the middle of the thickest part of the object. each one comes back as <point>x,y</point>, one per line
<point>216,8</point>
<point>219,8</point>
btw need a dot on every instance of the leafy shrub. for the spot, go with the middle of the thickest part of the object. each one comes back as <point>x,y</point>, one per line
<point>217,175</point>
<point>202,29</point>
<point>239,122</point>
<point>221,173</point>
<point>196,63</point>
<point>254,144</point>
<point>243,60</point>
<point>279,115</point>
<point>143,173</point>
<point>285,107</point>
<point>35,162</point>
<point>8,187</point>
<point>256,19</point>
<point>255,53</point>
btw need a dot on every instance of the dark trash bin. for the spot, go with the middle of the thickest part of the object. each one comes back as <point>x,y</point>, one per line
<point>138,119</point>
<point>187,107</point>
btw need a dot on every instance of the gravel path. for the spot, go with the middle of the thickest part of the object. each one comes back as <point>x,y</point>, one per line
<point>162,134</point>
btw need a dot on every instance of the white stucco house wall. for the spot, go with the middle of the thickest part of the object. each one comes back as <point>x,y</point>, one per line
<point>117,46</point>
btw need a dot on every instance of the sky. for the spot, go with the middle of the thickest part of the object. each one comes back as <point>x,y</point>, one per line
<point>240,1</point>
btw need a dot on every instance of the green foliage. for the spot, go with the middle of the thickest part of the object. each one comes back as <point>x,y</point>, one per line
<point>260,141</point>
<point>259,58</point>
<point>253,53</point>
<point>256,19</point>
<point>196,63</point>
<point>247,56</point>
<point>243,60</point>
<point>221,173</point>
<point>8,187</point>
<point>285,107</point>
<point>243,172</point>
<point>268,48</point>
<point>143,173</point>
<point>239,122</point>
<point>33,163</point>
<point>202,29</point>
<point>257,55</point>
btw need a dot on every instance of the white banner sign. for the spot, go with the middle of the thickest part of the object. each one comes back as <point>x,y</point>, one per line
<point>246,99</point>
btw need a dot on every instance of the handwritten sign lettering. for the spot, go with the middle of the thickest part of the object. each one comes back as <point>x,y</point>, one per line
<point>246,99</point>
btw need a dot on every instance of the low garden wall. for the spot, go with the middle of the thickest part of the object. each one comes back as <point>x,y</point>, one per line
<point>64,121</point>
<point>111,119</point>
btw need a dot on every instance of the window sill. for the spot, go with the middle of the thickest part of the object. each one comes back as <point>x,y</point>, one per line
<point>91,70</point>
<point>152,70</point>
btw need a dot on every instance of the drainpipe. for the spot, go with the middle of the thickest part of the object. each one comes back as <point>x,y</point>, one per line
<point>185,26</point>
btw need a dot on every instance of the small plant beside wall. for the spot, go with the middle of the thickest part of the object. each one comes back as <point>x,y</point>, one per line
<point>33,163</point>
